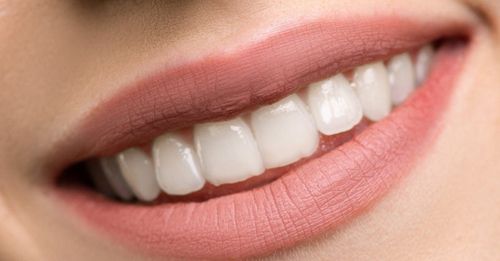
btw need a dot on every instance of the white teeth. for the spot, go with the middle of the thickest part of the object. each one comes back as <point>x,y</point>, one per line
<point>177,165</point>
<point>138,171</point>
<point>334,105</point>
<point>108,178</point>
<point>228,151</point>
<point>272,136</point>
<point>372,86</point>
<point>285,132</point>
<point>423,63</point>
<point>401,77</point>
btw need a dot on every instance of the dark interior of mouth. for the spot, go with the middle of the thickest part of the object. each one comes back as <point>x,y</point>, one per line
<point>77,176</point>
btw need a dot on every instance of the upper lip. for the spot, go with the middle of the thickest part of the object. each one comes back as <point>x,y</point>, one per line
<point>225,85</point>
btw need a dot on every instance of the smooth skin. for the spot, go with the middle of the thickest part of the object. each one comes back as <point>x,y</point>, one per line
<point>59,58</point>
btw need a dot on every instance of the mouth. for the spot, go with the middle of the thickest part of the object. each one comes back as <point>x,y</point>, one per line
<point>243,153</point>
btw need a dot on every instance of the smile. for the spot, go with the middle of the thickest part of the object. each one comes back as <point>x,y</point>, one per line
<point>272,136</point>
<point>251,151</point>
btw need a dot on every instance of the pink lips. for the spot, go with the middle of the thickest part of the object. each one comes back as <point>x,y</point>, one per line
<point>221,86</point>
<point>311,198</point>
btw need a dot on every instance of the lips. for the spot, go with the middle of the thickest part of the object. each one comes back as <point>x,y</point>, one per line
<point>310,198</point>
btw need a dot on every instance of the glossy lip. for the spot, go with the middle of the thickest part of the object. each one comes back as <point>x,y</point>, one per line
<point>310,199</point>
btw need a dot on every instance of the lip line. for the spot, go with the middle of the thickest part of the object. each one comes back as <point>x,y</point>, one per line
<point>164,241</point>
<point>312,199</point>
<point>136,114</point>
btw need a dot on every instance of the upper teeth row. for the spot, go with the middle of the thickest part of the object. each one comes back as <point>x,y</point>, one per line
<point>271,136</point>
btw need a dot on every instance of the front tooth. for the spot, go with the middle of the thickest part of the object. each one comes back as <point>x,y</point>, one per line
<point>372,86</point>
<point>177,165</point>
<point>334,105</point>
<point>423,63</point>
<point>228,151</point>
<point>401,77</point>
<point>138,171</point>
<point>285,132</point>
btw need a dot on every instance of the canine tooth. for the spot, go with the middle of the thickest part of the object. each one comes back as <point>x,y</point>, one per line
<point>177,165</point>
<point>401,77</point>
<point>423,63</point>
<point>334,105</point>
<point>107,176</point>
<point>372,86</point>
<point>285,132</point>
<point>138,171</point>
<point>228,151</point>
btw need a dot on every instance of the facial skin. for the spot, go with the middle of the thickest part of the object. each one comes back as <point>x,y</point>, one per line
<point>59,58</point>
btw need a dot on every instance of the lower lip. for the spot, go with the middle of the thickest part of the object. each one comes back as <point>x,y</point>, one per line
<point>311,199</point>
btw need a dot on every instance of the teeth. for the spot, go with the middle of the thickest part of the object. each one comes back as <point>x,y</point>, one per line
<point>334,105</point>
<point>228,151</point>
<point>99,179</point>
<point>401,78</point>
<point>138,171</point>
<point>423,63</point>
<point>108,178</point>
<point>285,132</point>
<point>272,136</point>
<point>372,86</point>
<point>177,165</point>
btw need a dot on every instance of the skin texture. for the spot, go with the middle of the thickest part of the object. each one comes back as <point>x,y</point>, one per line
<point>59,58</point>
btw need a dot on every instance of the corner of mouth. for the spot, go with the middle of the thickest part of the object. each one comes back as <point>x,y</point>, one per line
<point>345,176</point>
